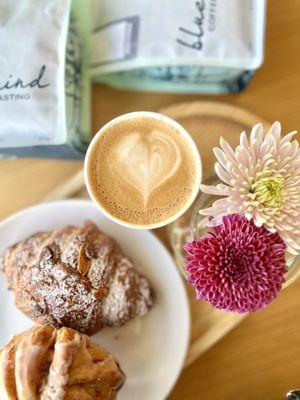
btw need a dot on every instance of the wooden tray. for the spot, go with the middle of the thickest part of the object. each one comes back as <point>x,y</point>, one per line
<point>206,122</point>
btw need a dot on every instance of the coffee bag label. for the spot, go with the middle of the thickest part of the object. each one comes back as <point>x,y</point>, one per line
<point>32,101</point>
<point>136,34</point>
<point>119,41</point>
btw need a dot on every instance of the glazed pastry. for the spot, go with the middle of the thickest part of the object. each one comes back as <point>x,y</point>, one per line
<point>44,363</point>
<point>76,277</point>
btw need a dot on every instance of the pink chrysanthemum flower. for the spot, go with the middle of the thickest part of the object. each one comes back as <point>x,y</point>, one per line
<point>261,181</point>
<point>238,267</point>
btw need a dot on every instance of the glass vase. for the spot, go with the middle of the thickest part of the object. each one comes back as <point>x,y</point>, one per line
<point>190,227</point>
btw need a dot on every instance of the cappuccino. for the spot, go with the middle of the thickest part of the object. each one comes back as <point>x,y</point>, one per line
<point>143,170</point>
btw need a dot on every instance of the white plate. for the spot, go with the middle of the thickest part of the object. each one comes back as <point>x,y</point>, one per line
<point>151,349</point>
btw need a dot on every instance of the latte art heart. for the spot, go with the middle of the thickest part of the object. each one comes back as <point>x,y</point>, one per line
<point>146,162</point>
<point>143,170</point>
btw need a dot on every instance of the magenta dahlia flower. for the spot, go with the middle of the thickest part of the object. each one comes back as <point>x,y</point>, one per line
<point>238,267</point>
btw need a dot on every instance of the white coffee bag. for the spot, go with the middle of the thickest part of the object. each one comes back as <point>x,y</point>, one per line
<point>44,84</point>
<point>32,58</point>
<point>177,45</point>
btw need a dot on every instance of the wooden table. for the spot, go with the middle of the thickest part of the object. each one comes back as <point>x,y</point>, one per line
<point>260,359</point>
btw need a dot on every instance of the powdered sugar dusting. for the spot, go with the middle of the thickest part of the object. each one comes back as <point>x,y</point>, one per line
<point>51,287</point>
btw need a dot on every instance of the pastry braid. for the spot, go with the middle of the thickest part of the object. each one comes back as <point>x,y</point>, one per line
<point>76,277</point>
<point>44,363</point>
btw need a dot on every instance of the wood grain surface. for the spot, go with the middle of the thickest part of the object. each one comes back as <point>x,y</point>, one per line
<point>260,359</point>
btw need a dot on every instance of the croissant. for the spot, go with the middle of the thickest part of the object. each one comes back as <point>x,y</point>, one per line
<point>76,277</point>
<point>44,363</point>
